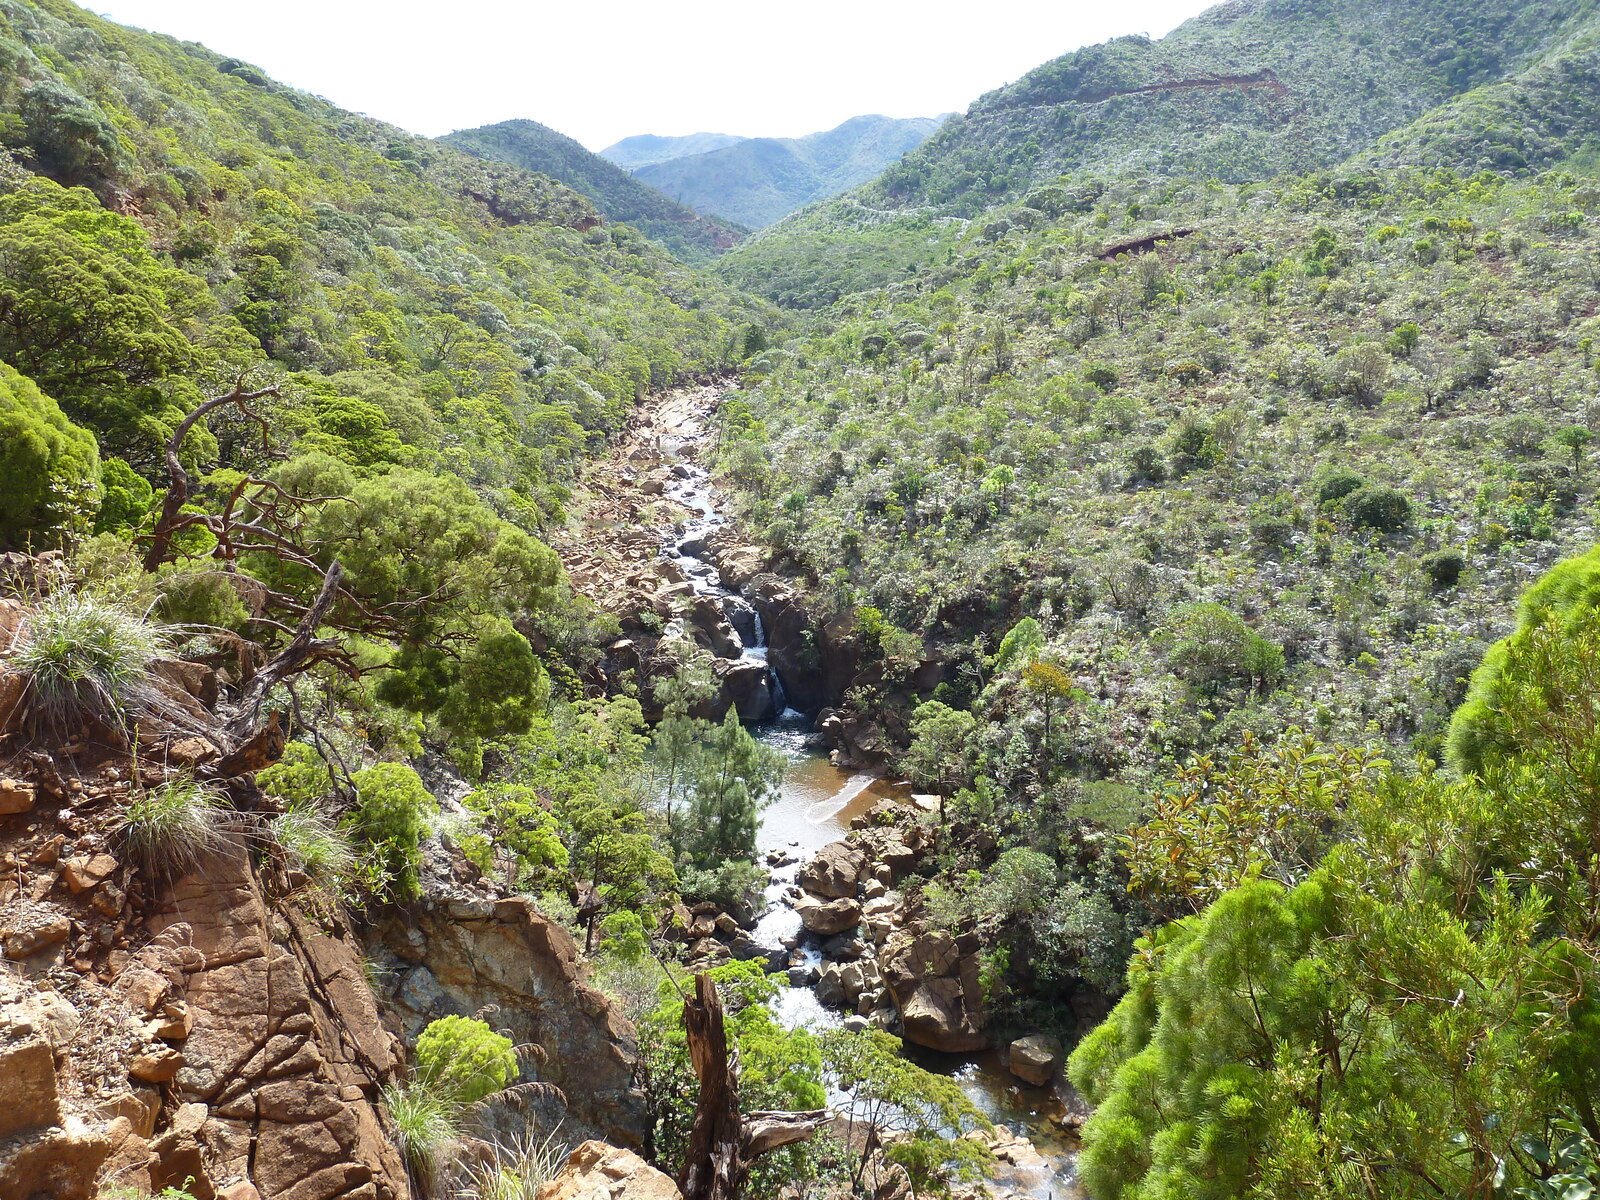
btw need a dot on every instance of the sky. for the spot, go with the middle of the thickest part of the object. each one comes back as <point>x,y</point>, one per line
<point>601,71</point>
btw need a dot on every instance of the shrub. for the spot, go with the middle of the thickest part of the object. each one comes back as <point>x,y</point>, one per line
<point>49,467</point>
<point>1335,483</point>
<point>1444,568</point>
<point>201,598</point>
<point>464,1060</point>
<point>125,498</point>
<point>392,812</point>
<point>1214,648</point>
<point>1377,506</point>
<point>88,658</point>
<point>169,830</point>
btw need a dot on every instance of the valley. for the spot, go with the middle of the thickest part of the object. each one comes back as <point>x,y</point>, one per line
<point>1044,652</point>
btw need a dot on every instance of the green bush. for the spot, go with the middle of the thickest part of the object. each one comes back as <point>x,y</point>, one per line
<point>169,830</point>
<point>392,813</point>
<point>1377,506</point>
<point>1568,593</point>
<point>1444,568</point>
<point>125,498</point>
<point>1336,483</point>
<point>1213,648</point>
<point>49,468</point>
<point>463,1059</point>
<point>201,598</point>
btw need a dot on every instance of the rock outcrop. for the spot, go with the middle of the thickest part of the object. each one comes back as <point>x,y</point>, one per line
<point>596,1171</point>
<point>285,1051</point>
<point>460,956</point>
<point>934,979</point>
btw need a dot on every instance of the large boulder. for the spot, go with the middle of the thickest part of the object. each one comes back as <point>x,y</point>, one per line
<point>935,983</point>
<point>828,917</point>
<point>1035,1059</point>
<point>837,870</point>
<point>596,1171</point>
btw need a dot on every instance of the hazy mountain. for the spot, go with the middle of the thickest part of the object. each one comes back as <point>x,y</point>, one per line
<point>758,180</point>
<point>645,148</point>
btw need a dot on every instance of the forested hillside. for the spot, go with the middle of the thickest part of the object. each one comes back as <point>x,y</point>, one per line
<point>616,193</point>
<point>1246,91</point>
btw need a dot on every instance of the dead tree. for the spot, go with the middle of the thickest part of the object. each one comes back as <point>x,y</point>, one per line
<point>723,1143</point>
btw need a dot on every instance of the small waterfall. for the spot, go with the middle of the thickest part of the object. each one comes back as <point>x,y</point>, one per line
<point>687,548</point>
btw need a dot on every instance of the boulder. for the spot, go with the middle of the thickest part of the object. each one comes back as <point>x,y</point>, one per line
<point>596,1171</point>
<point>742,616</point>
<point>1035,1059</point>
<point>830,987</point>
<point>711,629</point>
<point>837,870</point>
<point>937,988</point>
<point>31,928</point>
<point>746,687</point>
<point>828,917</point>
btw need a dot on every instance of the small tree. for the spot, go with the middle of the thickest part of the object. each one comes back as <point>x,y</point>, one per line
<point>1575,438</point>
<point>736,779</point>
<point>904,1114</point>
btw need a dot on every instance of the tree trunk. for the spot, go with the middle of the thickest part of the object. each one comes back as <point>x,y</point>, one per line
<point>723,1144</point>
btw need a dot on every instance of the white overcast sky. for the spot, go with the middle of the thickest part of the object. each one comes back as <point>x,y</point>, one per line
<point>599,72</point>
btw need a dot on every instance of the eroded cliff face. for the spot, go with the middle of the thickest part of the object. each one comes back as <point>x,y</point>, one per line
<point>218,1031</point>
<point>200,1034</point>
<point>476,952</point>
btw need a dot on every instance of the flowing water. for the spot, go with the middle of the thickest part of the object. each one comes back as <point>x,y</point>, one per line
<point>814,807</point>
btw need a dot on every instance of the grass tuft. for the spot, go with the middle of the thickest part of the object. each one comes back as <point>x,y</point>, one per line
<point>85,657</point>
<point>515,1170</point>
<point>315,845</point>
<point>429,1126</point>
<point>170,829</point>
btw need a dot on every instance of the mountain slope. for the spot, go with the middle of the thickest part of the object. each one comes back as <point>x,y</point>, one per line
<point>1249,90</point>
<point>491,312</point>
<point>616,193</point>
<point>758,180</point>
<point>642,149</point>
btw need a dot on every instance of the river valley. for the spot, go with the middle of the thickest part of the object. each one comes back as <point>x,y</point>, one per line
<point>817,800</point>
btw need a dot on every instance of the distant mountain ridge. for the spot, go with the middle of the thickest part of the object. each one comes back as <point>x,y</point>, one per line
<point>618,195</point>
<point>756,181</point>
<point>645,149</point>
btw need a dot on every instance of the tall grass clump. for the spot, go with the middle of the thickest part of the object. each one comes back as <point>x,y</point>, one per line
<point>84,657</point>
<point>515,1169</point>
<point>169,830</point>
<point>428,1125</point>
<point>313,843</point>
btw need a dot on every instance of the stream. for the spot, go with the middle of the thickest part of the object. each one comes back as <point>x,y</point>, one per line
<point>815,805</point>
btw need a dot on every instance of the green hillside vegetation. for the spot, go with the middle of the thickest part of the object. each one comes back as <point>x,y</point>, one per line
<point>1410,1014</point>
<point>614,192</point>
<point>1246,91</point>
<point>755,181</point>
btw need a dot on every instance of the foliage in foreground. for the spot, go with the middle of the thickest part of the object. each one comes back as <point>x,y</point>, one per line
<point>1420,1014</point>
